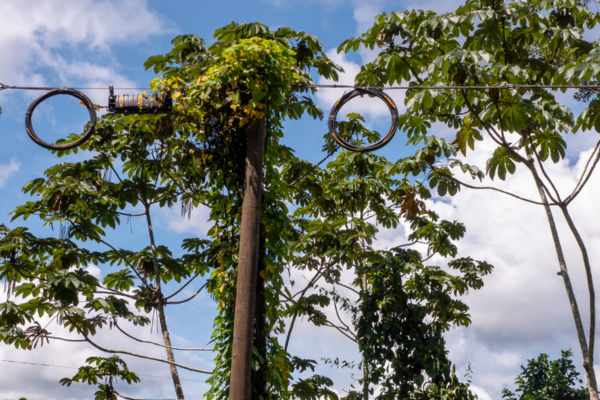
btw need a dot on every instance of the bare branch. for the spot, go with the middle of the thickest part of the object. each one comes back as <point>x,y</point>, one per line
<point>338,315</point>
<point>183,287</point>
<point>124,397</point>
<point>348,287</point>
<point>303,292</point>
<point>537,157</point>
<point>158,344</point>
<point>195,276</point>
<point>87,339</point>
<point>130,215</point>
<point>65,339</point>
<point>188,299</point>
<point>312,169</point>
<point>497,190</point>
<point>329,324</point>
<point>122,257</point>
<point>579,184</point>
<point>117,293</point>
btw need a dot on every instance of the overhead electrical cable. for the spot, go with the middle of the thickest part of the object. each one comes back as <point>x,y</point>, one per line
<point>163,104</point>
<point>335,86</point>
<point>63,366</point>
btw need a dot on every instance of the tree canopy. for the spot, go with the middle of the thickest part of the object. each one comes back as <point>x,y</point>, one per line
<point>319,219</point>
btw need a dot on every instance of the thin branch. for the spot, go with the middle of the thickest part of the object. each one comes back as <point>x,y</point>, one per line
<point>497,190</point>
<point>87,339</point>
<point>587,164</point>
<point>578,190</point>
<point>158,344</point>
<point>188,299</point>
<point>116,173</point>
<point>329,324</point>
<point>412,70</point>
<point>415,242</point>
<point>66,340</point>
<point>130,215</point>
<point>122,257</point>
<point>122,294</point>
<point>313,168</point>
<point>184,190</point>
<point>310,284</point>
<point>195,276</point>
<point>338,315</point>
<point>537,157</point>
<point>493,134</point>
<point>183,287</point>
<point>348,287</point>
<point>124,397</point>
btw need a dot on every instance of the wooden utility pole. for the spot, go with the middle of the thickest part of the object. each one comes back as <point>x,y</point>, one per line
<point>245,299</point>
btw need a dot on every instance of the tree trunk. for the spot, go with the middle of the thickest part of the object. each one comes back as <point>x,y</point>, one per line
<point>245,300</point>
<point>589,363</point>
<point>161,312</point>
<point>567,282</point>
<point>170,356</point>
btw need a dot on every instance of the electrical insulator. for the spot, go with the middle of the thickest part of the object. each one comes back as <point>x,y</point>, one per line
<point>127,104</point>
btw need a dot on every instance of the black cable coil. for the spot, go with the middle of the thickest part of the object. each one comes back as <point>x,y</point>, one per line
<point>349,96</point>
<point>53,146</point>
<point>127,104</point>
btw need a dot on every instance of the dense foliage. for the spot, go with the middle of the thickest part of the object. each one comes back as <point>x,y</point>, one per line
<point>543,379</point>
<point>195,157</point>
<point>500,44</point>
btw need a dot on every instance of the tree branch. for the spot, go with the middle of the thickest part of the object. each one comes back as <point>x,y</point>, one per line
<point>580,185</point>
<point>87,339</point>
<point>188,299</point>
<point>495,189</point>
<point>158,344</point>
<point>313,168</point>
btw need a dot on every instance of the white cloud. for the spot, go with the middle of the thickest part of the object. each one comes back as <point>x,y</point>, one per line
<point>481,394</point>
<point>7,170</point>
<point>94,271</point>
<point>197,224</point>
<point>51,43</point>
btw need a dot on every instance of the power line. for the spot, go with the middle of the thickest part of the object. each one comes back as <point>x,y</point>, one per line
<point>477,87</point>
<point>334,86</point>
<point>62,366</point>
<point>5,87</point>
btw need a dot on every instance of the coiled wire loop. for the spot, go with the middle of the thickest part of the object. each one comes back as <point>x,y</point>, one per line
<point>47,95</point>
<point>349,96</point>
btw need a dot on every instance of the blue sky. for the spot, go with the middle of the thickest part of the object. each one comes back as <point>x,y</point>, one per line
<point>521,311</point>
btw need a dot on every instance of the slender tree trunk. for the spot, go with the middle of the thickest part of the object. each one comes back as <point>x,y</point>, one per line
<point>589,363</point>
<point>170,356</point>
<point>161,312</point>
<point>591,381</point>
